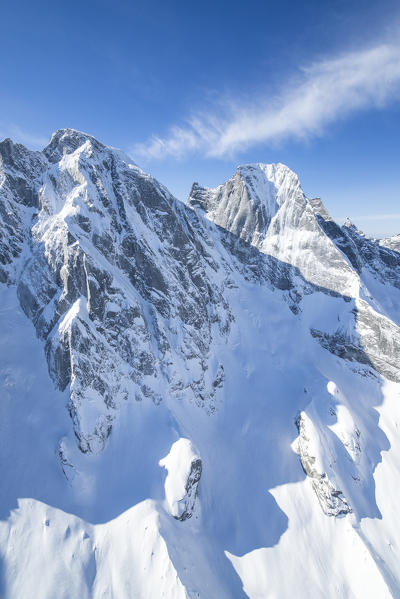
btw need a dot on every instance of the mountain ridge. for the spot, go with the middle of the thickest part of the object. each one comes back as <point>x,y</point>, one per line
<point>245,324</point>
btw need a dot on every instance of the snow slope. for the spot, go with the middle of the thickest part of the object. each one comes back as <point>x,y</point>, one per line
<point>196,401</point>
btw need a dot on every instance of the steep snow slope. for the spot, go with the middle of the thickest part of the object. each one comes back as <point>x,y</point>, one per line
<point>219,412</point>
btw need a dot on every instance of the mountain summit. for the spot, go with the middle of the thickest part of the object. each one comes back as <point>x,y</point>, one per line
<point>198,400</point>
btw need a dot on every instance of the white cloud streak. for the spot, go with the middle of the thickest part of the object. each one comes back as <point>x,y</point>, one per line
<point>325,91</point>
<point>36,142</point>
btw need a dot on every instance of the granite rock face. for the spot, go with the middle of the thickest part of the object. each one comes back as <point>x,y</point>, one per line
<point>19,168</point>
<point>113,278</point>
<point>331,499</point>
<point>265,206</point>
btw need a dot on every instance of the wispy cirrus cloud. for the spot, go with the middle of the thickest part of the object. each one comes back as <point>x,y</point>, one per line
<point>36,142</point>
<point>323,92</point>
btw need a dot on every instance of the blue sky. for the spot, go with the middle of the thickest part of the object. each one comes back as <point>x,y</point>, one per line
<point>191,90</point>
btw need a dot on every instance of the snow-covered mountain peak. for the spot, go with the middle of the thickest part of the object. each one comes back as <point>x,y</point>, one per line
<point>278,177</point>
<point>247,202</point>
<point>110,250</point>
<point>348,224</point>
<point>217,342</point>
<point>392,243</point>
<point>352,229</point>
<point>66,141</point>
<point>264,205</point>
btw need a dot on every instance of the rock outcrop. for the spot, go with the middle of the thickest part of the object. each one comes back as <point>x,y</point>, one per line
<point>184,468</point>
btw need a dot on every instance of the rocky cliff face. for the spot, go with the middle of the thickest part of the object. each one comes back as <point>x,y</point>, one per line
<point>114,279</point>
<point>265,206</point>
<point>204,311</point>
